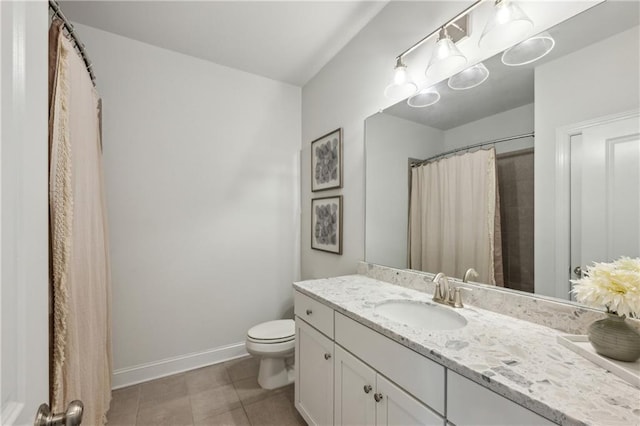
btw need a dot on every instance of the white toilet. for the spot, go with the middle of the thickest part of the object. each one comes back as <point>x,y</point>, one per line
<point>274,342</point>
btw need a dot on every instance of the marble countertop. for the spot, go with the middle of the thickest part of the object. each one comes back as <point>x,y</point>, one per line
<point>519,360</point>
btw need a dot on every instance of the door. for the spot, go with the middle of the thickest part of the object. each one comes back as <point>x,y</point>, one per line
<point>314,375</point>
<point>24,343</point>
<point>605,193</point>
<point>354,390</point>
<point>396,407</point>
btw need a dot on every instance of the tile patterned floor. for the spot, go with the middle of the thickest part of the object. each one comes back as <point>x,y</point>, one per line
<point>222,394</point>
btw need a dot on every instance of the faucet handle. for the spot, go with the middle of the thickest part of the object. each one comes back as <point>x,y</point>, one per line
<point>456,302</point>
<point>437,293</point>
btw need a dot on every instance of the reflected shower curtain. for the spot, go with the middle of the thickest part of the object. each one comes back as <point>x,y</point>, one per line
<point>81,326</point>
<point>454,217</point>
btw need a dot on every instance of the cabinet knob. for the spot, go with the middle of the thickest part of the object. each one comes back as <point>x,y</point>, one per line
<point>327,355</point>
<point>377,397</point>
<point>309,311</point>
<point>367,388</point>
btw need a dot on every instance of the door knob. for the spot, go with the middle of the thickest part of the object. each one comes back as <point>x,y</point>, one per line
<point>578,271</point>
<point>309,311</point>
<point>71,417</point>
<point>327,356</point>
<point>377,397</point>
<point>367,388</point>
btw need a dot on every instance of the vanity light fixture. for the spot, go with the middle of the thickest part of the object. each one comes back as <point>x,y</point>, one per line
<point>529,50</point>
<point>424,98</point>
<point>473,76</point>
<point>401,85</point>
<point>507,25</point>
<point>446,57</point>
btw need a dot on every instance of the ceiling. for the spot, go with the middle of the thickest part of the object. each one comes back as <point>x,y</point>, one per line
<point>288,41</point>
<point>511,87</point>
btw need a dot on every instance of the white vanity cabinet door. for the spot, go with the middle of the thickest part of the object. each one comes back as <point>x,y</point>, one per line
<point>396,407</point>
<point>468,403</point>
<point>314,375</point>
<point>355,386</point>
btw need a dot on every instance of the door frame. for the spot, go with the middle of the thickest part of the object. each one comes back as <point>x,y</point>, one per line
<point>564,134</point>
<point>24,208</point>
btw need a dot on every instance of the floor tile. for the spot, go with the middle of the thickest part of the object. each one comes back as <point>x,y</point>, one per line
<point>235,417</point>
<point>243,368</point>
<point>274,410</point>
<point>125,400</point>
<point>213,402</point>
<point>250,391</point>
<point>175,412</point>
<point>122,419</point>
<point>207,378</point>
<point>156,392</point>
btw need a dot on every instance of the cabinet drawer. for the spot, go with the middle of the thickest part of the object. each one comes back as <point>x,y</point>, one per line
<point>315,313</point>
<point>468,403</point>
<point>421,377</point>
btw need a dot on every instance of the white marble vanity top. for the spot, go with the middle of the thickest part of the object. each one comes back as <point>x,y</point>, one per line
<point>517,359</point>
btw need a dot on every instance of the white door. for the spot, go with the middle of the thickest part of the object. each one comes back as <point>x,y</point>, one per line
<point>605,193</point>
<point>314,375</point>
<point>355,384</point>
<point>24,339</point>
<point>396,407</point>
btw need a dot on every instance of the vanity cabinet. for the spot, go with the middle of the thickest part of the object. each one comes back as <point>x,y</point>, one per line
<point>468,403</point>
<point>349,374</point>
<point>365,397</point>
<point>419,376</point>
<point>314,375</point>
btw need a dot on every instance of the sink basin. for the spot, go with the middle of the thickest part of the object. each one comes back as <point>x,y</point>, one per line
<point>421,315</point>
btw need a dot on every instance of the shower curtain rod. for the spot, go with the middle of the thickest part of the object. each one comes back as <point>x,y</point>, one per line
<point>475,145</point>
<point>53,5</point>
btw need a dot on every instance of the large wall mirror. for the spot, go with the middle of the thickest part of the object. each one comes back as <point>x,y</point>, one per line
<point>558,138</point>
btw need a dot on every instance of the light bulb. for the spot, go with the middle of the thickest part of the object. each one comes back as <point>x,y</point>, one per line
<point>446,57</point>
<point>401,85</point>
<point>400,76</point>
<point>507,25</point>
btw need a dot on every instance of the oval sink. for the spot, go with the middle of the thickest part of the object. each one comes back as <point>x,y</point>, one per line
<point>421,315</point>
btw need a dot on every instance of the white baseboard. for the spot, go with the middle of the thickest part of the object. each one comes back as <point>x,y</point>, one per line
<point>165,367</point>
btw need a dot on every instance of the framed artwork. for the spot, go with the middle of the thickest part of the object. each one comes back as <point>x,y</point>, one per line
<point>326,224</point>
<point>326,161</point>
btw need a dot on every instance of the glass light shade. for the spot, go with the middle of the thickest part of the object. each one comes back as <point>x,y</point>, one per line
<point>507,25</point>
<point>445,59</point>
<point>401,85</point>
<point>424,98</point>
<point>529,50</point>
<point>471,77</point>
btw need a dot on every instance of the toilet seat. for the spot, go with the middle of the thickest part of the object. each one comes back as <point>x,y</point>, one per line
<point>272,332</point>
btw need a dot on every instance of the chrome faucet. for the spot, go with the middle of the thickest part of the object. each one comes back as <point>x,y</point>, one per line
<point>471,273</point>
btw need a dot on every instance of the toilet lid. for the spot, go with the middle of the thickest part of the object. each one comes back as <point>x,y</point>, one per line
<point>273,330</point>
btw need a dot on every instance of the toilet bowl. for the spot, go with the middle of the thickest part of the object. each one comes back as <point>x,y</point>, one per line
<point>274,343</point>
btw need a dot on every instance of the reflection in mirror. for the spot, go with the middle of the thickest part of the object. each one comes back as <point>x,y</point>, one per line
<point>527,177</point>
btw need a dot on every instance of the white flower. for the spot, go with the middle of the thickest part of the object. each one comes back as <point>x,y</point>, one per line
<point>614,286</point>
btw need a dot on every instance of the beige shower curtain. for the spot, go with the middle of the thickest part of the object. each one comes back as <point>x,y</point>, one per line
<point>81,293</point>
<point>454,217</point>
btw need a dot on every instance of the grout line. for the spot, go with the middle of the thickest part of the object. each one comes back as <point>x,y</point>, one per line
<point>138,403</point>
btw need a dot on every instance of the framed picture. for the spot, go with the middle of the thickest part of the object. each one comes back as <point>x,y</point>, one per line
<point>326,161</point>
<point>326,224</point>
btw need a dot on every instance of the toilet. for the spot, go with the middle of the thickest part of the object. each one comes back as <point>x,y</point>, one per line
<point>274,343</point>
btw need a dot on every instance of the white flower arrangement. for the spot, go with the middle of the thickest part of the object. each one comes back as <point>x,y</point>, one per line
<point>614,286</point>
